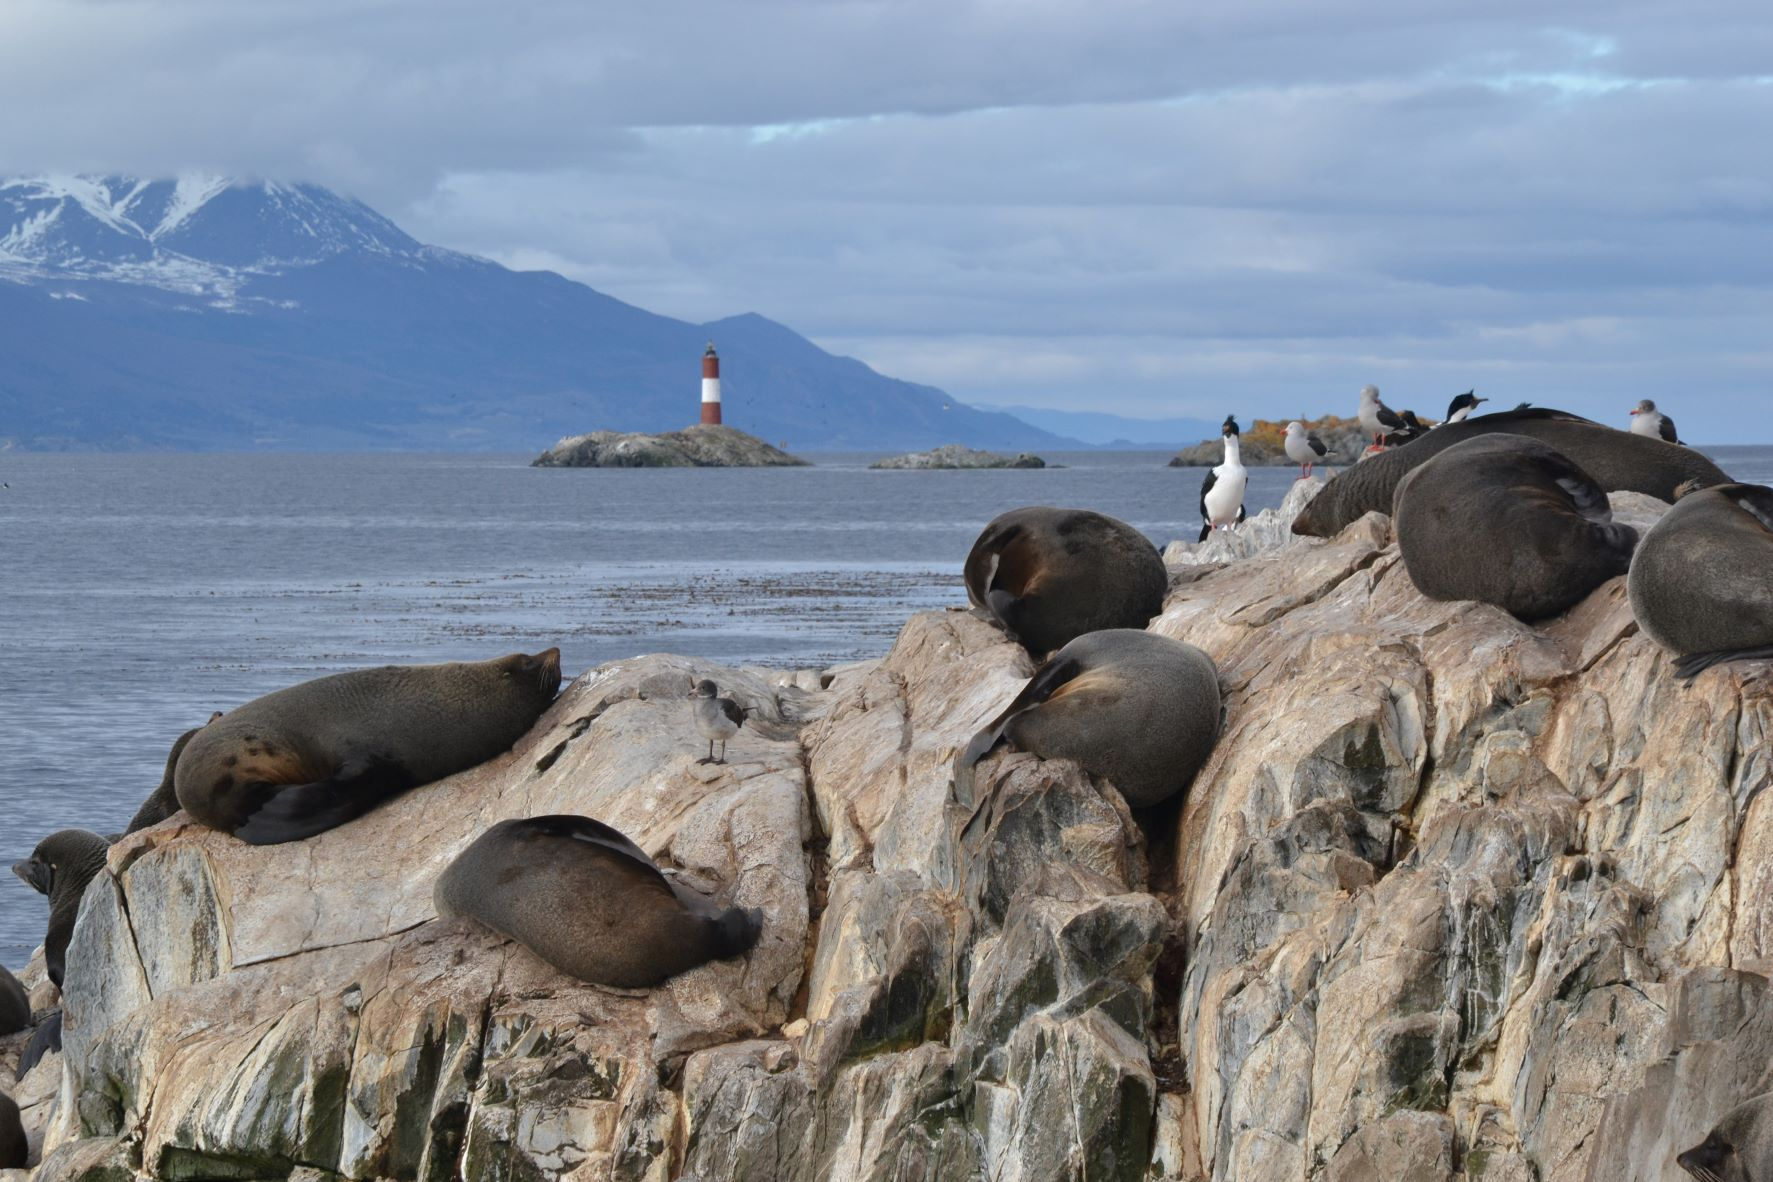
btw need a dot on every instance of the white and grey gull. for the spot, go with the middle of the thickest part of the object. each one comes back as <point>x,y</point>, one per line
<point>1647,420</point>
<point>1377,419</point>
<point>1304,447</point>
<point>718,718</point>
<point>1222,492</point>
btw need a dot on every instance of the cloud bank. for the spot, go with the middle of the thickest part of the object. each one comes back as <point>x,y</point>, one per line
<point>1133,207</point>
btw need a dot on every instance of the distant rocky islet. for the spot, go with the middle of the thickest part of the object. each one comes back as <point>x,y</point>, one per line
<point>705,445</point>
<point>954,455</point>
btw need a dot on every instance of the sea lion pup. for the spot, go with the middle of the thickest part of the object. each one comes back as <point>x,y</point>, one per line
<point>1739,1149</point>
<point>309,758</point>
<point>1138,709</point>
<point>60,867</point>
<point>1701,583</point>
<point>1618,461</point>
<point>15,1150</point>
<point>1049,575</point>
<point>15,1003</point>
<point>1505,520</point>
<point>584,898</point>
<point>163,802</point>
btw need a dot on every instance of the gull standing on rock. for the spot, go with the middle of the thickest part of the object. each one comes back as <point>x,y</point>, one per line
<point>1222,492</point>
<point>1304,447</point>
<point>1461,406</point>
<point>1647,420</point>
<point>1377,419</point>
<point>718,718</point>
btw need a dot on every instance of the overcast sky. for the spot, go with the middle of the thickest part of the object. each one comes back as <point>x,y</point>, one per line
<point>1148,208</point>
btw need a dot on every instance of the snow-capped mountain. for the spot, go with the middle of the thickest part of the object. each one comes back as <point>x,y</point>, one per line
<point>207,312</point>
<point>195,235</point>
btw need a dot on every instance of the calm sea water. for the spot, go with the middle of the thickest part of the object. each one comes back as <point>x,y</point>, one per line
<point>138,593</point>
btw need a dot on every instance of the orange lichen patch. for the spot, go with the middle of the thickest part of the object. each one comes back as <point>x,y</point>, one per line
<point>1274,432</point>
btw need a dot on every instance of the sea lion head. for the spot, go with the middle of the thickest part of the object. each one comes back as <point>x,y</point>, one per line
<point>1713,1160</point>
<point>58,854</point>
<point>537,674</point>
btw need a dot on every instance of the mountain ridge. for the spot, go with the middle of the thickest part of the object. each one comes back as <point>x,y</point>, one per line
<point>210,313</point>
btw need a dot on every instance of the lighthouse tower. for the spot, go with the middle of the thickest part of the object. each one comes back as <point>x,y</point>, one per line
<point>711,385</point>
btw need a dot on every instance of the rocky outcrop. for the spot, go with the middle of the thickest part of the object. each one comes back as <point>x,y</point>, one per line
<point>1261,445</point>
<point>954,455</point>
<point>1454,898</point>
<point>705,445</point>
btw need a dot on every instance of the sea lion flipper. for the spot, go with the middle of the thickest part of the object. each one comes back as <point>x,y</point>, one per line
<point>595,832</point>
<point>45,1040</point>
<point>1046,680</point>
<point>293,812</point>
<point>1693,664</point>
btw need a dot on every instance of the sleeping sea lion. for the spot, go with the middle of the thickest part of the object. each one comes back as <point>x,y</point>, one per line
<point>1048,575</point>
<point>15,1149</point>
<point>61,867</point>
<point>1505,520</point>
<point>15,1003</point>
<point>1739,1149</point>
<point>163,802</point>
<point>309,758</point>
<point>1618,461</point>
<point>584,898</point>
<point>1702,582</point>
<point>1138,709</point>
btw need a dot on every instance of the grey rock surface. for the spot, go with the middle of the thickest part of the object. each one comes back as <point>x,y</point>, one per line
<point>1455,898</point>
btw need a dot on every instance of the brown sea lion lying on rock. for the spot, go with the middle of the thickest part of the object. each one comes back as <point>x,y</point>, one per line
<point>1701,583</point>
<point>1049,575</point>
<point>1616,460</point>
<point>1138,709</point>
<point>584,898</point>
<point>309,758</point>
<point>1505,520</point>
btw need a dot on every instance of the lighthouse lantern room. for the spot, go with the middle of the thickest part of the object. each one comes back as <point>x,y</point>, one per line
<point>711,385</point>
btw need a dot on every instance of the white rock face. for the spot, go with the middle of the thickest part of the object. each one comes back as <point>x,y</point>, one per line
<point>1455,898</point>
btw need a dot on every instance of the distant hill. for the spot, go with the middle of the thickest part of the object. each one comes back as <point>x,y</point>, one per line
<point>211,313</point>
<point>1118,431</point>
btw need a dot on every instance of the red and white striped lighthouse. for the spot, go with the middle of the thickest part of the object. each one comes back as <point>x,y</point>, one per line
<point>711,385</point>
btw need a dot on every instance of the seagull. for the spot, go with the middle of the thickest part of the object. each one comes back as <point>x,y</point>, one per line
<point>1303,447</point>
<point>1222,492</point>
<point>718,718</point>
<point>1376,418</point>
<point>1647,420</point>
<point>1461,406</point>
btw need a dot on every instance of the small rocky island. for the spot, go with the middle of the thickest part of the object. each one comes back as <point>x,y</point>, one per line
<point>1263,444</point>
<point>954,455</point>
<point>705,445</point>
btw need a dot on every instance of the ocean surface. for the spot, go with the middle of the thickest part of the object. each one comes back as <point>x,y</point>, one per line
<point>141,592</point>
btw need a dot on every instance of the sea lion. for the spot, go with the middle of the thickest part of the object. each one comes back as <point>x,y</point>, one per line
<point>1701,584</point>
<point>163,802</point>
<point>1138,709</point>
<point>1048,575</point>
<point>1506,520</point>
<point>1739,1148</point>
<point>309,758</point>
<point>1617,460</point>
<point>584,898</point>
<point>61,866</point>
<point>15,1149</point>
<point>15,1003</point>
<point>45,1040</point>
